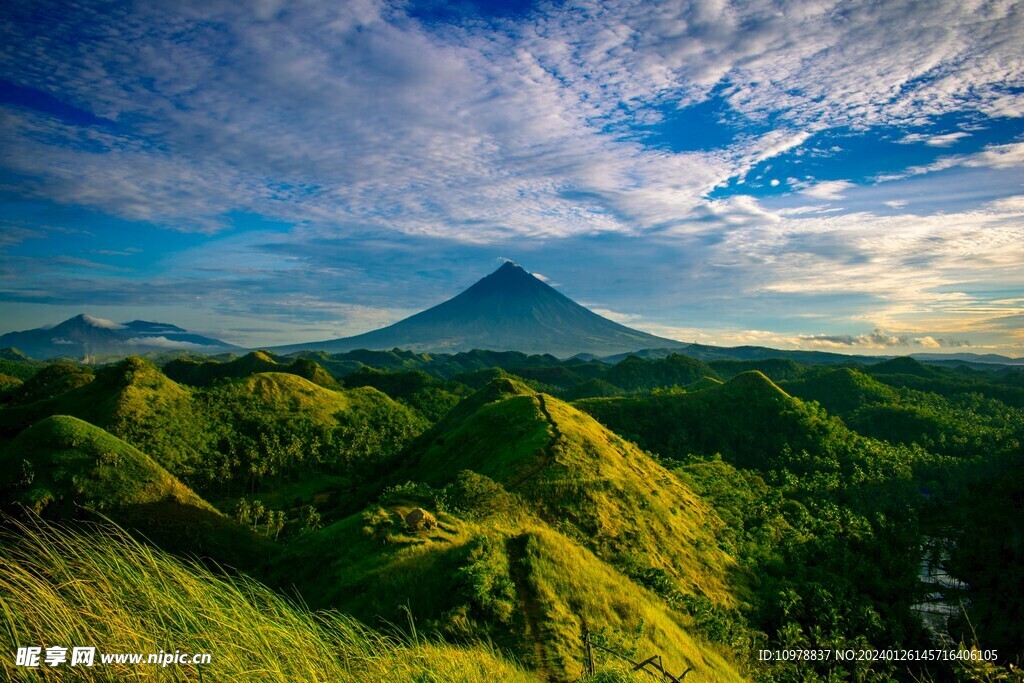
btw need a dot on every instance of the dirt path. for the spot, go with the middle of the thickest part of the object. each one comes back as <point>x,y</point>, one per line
<point>529,607</point>
<point>549,450</point>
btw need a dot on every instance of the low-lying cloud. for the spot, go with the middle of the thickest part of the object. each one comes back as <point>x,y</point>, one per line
<point>879,339</point>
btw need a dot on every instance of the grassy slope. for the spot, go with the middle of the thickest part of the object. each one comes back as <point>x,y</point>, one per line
<point>512,577</point>
<point>63,467</point>
<point>133,400</point>
<point>177,425</point>
<point>140,600</point>
<point>510,580</point>
<point>577,474</point>
<point>749,420</point>
<point>72,461</point>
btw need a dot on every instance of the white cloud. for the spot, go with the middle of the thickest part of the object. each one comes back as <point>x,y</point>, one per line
<point>876,339</point>
<point>165,343</point>
<point>1010,155</point>
<point>828,189</point>
<point>356,114</point>
<point>931,140</point>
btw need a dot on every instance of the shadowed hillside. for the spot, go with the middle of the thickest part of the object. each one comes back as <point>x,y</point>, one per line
<point>748,419</point>
<point>64,468</point>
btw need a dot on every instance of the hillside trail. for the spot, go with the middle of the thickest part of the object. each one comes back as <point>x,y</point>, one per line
<point>529,606</point>
<point>549,450</point>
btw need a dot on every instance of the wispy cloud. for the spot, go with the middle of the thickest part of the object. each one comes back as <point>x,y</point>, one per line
<point>356,113</point>
<point>828,189</point>
<point>940,140</point>
<point>878,339</point>
<point>1006,156</point>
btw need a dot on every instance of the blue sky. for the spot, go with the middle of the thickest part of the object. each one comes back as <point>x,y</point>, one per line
<point>821,175</point>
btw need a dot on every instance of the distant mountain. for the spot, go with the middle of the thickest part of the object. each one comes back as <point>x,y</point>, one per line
<point>988,358</point>
<point>509,310</point>
<point>85,335</point>
<point>705,352</point>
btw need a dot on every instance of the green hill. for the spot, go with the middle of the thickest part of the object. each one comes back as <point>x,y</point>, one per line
<point>432,397</point>
<point>639,374</point>
<point>245,429</point>
<point>507,579</point>
<point>277,426</point>
<point>16,364</point>
<point>749,420</point>
<point>133,400</point>
<point>62,461</point>
<point>776,369</point>
<point>841,390</point>
<point>904,365</point>
<point>202,373</point>
<point>50,381</point>
<point>569,522</point>
<point>8,383</point>
<point>961,424</point>
<point>65,468</point>
<point>577,475</point>
<point>703,383</point>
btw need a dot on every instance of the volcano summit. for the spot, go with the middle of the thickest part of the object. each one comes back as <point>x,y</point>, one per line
<point>509,310</point>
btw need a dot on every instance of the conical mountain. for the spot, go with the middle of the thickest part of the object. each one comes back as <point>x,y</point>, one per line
<point>509,310</point>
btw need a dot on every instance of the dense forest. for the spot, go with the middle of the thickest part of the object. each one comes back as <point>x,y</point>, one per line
<point>485,515</point>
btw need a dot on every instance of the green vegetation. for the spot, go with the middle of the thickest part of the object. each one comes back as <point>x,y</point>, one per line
<point>14,363</point>
<point>429,396</point>
<point>7,384</point>
<point>137,599</point>
<point>204,373</point>
<point>700,510</point>
<point>749,420</point>
<point>959,424</point>
<point>63,462</point>
<point>64,468</point>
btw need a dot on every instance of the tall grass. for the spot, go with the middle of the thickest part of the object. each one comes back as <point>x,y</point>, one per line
<point>99,587</point>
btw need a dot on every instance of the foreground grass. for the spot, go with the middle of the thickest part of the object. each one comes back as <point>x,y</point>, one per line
<point>64,588</point>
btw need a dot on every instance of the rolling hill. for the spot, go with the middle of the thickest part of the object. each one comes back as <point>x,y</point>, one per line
<point>64,468</point>
<point>749,420</point>
<point>569,524</point>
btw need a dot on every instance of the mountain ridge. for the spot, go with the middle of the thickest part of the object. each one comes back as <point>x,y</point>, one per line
<point>84,335</point>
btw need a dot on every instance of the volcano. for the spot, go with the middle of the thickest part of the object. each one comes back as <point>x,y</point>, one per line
<point>86,336</point>
<point>509,310</point>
